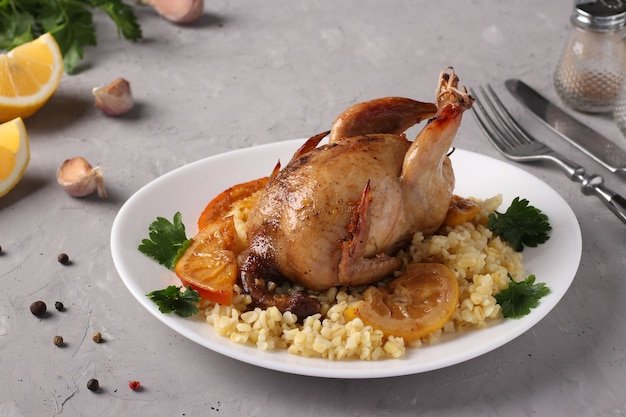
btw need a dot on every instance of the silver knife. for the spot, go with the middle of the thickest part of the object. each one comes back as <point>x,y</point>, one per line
<point>592,143</point>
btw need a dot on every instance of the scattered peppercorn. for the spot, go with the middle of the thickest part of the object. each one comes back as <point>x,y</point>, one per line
<point>97,337</point>
<point>58,340</point>
<point>63,258</point>
<point>0,249</point>
<point>134,385</point>
<point>93,385</point>
<point>38,308</point>
<point>59,306</point>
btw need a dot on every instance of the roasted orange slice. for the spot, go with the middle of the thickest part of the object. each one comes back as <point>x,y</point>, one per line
<point>460,211</point>
<point>209,264</point>
<point>242,195</point>
<point>413,305</point>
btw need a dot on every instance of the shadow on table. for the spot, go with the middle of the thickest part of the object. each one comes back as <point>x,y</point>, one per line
<point>28,185</point>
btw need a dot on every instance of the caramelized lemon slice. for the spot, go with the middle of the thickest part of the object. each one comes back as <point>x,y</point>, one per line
<point>460,211</point>
<point>413,305</point>
<point>209,264</point>
<point>239,197</point>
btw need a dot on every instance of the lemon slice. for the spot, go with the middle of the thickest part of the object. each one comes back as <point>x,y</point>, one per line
<point>209,264</point>
<point>29,75</point>
<point>413,305</point>
<point>461,210</point>
<point>241,196</point>
<point>14,154</point>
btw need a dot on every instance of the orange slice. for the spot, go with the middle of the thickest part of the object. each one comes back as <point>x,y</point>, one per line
<point>240,196</point>
<point>209,264</point>
<point>460,211</point>
<point>29,75</point>
<point>14,154</point>
<point>413,305</point>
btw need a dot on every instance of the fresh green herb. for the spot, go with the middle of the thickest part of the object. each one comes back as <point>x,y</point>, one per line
<point>520,297</point>
<point>69,21</point>
<point>167,242</point>
<point>173,300</point>
<point>521,225</point>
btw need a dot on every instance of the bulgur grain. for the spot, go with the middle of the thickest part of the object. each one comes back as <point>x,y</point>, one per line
<point>480,260</point>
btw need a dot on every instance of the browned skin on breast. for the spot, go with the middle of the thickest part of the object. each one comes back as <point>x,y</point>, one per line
<point>304,214</point>
<point>337,214</point>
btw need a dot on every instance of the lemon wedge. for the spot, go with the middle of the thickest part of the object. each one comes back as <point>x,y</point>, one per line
<point>29,75</point>
<point>14,154</point>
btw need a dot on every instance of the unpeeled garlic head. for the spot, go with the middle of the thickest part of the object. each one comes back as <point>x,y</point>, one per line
<point>178,11</point>
<point>79,179</point>
<point>114,99</point>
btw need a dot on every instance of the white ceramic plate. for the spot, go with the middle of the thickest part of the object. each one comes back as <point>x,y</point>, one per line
<point>189,188</point>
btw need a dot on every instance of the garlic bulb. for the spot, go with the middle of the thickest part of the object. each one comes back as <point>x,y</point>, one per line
<point>178,11</point>
<point>79,179</point>
<point>114,99</point>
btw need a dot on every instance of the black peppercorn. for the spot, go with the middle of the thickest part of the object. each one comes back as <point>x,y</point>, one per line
<point>93,385</point>
<point>59,306</point>
<point>38,308</point>
<point>63,258</point>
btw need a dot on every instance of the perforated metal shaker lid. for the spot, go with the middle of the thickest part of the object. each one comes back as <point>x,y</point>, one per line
<point>599,15</point>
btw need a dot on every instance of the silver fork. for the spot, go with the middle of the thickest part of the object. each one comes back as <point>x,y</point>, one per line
<point>508,137</point>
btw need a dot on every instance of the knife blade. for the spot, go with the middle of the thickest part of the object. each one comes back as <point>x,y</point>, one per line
<point>589,141</point>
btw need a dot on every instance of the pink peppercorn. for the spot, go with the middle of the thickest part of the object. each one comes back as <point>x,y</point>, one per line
<point>134,385</point>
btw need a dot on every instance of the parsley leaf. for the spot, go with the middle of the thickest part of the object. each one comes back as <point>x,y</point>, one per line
<point>15,26</point>
<point>69,21</point>
<point>521,225</point>
<point>520,297</point>
<point>123,17</point>
<point>172,299</point>
<point>167,241</point>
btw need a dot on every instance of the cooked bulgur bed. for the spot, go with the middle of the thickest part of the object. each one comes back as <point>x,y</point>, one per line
<point>480,260</point>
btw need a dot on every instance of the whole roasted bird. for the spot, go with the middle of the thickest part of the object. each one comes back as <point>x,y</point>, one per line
<point>337,214</point>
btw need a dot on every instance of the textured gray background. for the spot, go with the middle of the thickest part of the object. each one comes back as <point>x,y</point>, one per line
<point>256,72</point>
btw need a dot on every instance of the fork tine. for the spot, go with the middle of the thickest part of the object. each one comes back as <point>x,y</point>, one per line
<point>494,133</point>
<point>507,120</point>
<point>498,120</point>
<point>501,128</point>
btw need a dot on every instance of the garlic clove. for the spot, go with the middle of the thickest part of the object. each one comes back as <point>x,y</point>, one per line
<point>178,11</point>
<point>114,99</point>
<point>79,179</point>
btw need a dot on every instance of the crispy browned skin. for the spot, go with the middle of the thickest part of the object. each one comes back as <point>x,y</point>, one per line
<point>384,115</point>
<point>338,213</point>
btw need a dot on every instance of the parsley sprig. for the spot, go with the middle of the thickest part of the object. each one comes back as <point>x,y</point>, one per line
<point>520,297</point>
<point>167,241</point>
<point>521,225</point>
<point>173,300</point>
<point>166,245</point>
<point>69,21</point>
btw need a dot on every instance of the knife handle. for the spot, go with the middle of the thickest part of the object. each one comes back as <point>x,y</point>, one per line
<point>594,184</point>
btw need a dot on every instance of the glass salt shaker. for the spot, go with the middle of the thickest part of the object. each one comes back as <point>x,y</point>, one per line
<point>592,68</point>
<point>619,114</point>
